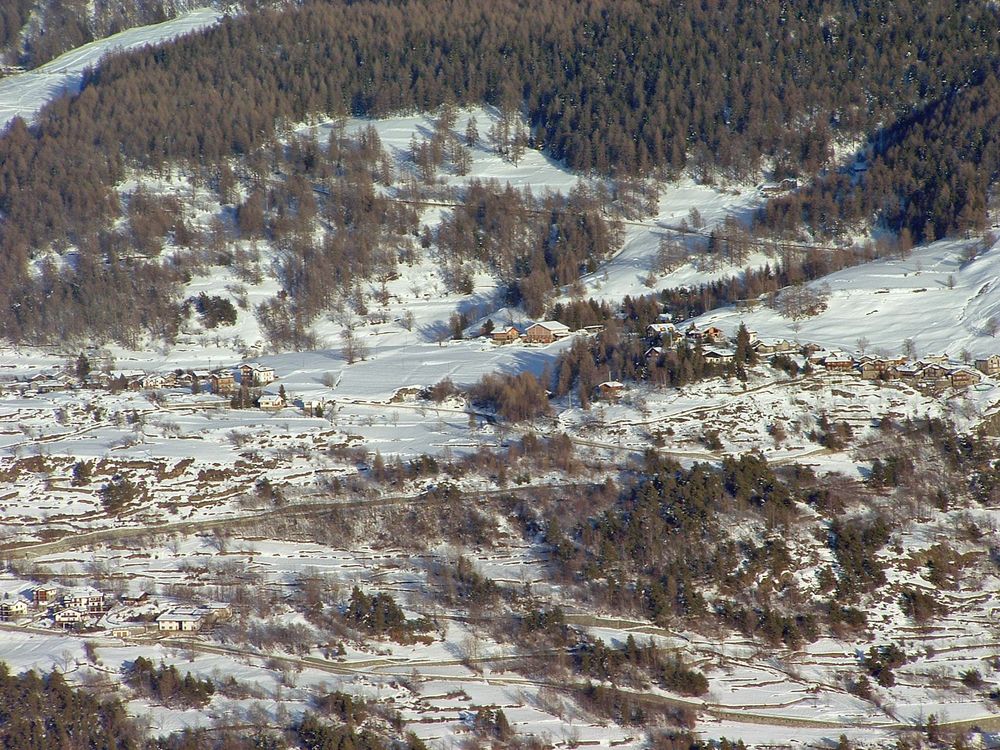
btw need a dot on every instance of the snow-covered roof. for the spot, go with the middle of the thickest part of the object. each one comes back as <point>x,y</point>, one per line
<point>553,325</point>
<point>177,616</point>
<point>82,593</point>
<point>661,327</point>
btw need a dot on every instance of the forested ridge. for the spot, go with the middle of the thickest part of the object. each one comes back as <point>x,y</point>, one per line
<point>718,88</point>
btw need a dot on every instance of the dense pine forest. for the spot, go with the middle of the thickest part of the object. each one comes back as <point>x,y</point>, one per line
<point>726,90</point>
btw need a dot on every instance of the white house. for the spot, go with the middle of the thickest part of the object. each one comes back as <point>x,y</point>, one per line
<point>182,620</point>
<point>11,608</point>
<point>718,356</point>
<point>271,401</point>
<point>69,617</point>
<point>263,375</point>
<point>84,598</point>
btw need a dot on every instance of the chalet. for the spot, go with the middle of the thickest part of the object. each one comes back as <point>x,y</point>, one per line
<point>506,335</point>
<point>222,382</point>
<point>84,598</point>
<point>839,363</point>
<point>45,594</point>
<point>69,618</point>
<point>713,335</point>
<point>132,600</point>
<point>963,377</point>
<point>818,356</point>
<point>252,373</point>
<point>610,390</point>
<point>665,318</point>
<point>653,353</point>
<point>933,373</point>
<point>908,371</point>
<point>12,608</point>
<point>718,356</point>
<point>989,366</point>
<point>693,333</point>
<point>775,346</point>
<point>184,380</point>
<point>546,332</point>
<point>154,380</point>
<point>663,331</point>
<point>869,370</point>
<point>185,620</point>
<point>271,401</point>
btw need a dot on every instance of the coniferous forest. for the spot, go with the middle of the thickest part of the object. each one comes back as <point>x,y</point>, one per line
<point>724,90</point>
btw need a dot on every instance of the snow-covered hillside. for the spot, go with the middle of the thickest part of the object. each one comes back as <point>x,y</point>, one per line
<point>24,94</point>
<point>937,297</point>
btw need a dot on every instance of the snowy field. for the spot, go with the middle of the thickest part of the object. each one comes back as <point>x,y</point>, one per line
<point>937,297</point>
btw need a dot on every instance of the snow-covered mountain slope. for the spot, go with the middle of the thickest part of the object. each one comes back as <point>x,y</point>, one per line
<point>24,94</point>
<point>936,297</point>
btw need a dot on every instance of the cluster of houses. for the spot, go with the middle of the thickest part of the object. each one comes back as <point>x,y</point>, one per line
<point>82,606</point>
<point>68,607</point>
<point>928,372</point>
<point>222,381</point>
<point>543,332</point>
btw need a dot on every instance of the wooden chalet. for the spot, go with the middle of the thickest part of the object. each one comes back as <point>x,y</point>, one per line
<point>653,354</point>
<point>222,382</point>
<point>713,335</point>
<point>546,332</point>
<point>990,365</point>
<point>506,335</point>
<point>839,363</point>
<point>963,377</point>
<point>610,390</point>
<point>664,331</point>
